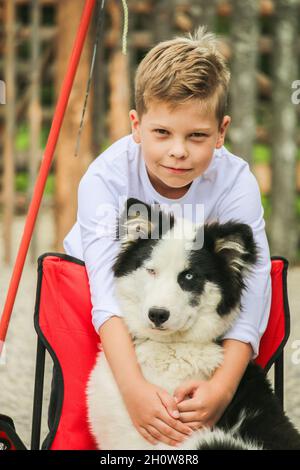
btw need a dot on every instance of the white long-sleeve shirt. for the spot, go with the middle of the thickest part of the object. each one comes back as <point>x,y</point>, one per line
<point>226,190</point>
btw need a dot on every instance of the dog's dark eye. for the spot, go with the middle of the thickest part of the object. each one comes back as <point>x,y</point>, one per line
<point>188,276</point>
<point>151,271</point>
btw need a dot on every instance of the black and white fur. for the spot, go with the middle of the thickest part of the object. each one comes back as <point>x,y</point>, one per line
<point>177,301</point>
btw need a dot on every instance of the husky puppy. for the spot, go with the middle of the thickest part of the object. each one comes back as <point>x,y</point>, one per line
<point>179,286</point>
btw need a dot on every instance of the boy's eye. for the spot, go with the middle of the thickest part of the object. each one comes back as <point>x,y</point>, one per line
<point>161,131</point>
<point>198,134</point>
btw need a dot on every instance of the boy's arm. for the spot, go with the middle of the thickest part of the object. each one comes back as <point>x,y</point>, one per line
<point>237,356</point>
<point>150,407</point>
<point>243,204</point>
<point>241,342</point>
<point>120,354</point>
<point>210,398</point>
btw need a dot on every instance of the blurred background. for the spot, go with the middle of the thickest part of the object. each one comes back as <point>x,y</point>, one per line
<point>260,39</point>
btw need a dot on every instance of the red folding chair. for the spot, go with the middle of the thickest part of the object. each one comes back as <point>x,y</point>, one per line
<point>63,324</point>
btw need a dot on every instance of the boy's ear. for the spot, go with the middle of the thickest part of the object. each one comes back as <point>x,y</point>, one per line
<point>135,125</point>
<point>234,243</point>
<point>222,131</point>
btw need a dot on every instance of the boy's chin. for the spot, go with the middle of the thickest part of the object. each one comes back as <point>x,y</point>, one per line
<point>175,184</point>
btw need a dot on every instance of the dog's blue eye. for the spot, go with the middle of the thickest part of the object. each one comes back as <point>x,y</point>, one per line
<point>189,276</point>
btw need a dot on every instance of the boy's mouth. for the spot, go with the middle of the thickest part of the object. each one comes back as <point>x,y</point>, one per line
<point>176,170</point>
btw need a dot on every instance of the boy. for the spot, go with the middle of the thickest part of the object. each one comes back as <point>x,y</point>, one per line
<point>175,155</point>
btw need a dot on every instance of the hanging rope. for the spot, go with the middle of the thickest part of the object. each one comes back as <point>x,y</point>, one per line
<point>125,27</point>
<point>98,34</point>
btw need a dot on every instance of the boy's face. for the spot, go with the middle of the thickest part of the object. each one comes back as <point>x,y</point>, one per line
<point>184,138</point>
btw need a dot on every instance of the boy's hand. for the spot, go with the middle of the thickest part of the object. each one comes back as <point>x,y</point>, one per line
<point>151,409</point>
<point>201,403</point>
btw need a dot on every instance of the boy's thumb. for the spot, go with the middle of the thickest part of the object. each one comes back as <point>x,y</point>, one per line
<point>170,405</point>
<point>179,394</point>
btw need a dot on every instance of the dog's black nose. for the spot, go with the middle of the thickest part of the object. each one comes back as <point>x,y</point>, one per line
<point>158,315</point>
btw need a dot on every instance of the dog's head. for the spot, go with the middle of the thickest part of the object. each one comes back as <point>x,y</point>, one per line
<point>170,285</point>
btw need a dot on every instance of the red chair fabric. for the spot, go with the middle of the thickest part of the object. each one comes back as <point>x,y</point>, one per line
<point>63,323</point>
<point>278,329</point>
<point>63,319</point>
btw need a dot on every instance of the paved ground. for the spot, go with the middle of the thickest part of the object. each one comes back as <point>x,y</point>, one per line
<point>17,373</point>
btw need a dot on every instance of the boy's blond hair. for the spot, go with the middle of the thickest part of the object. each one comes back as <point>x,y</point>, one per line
<point>181,69</point>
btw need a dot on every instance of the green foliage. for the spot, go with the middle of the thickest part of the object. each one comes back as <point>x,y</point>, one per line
<point>44,135</point>
<point>22,183</point>
<point>298,206</point>
<point>262,153</point>
<point>266,203</point>
<point>223,24</point>
<point>22,137</point>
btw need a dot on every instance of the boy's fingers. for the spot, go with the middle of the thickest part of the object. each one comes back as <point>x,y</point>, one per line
<point>168,432</point>
<point>186,389</point>
<point>170,405</point>
<point>189,417</point>
<point>195,425</point>
<point>175,424</point>
<point>188,405</point>
<point>146,435</point>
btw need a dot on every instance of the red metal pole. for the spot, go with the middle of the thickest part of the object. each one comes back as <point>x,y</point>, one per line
<point>45,166</point>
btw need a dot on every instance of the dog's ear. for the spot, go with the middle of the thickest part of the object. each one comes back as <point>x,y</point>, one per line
<point>233,242</point>
<point>141,220</point>
<point>134,222</point>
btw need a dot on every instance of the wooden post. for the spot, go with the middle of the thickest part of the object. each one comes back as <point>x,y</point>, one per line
<point>69,169</point>
<point>119,99</point>
<point>9,134</point>
<point>283,228</point>
<point>243,77</point>
<point>163,20</point>
<point>35,113</point>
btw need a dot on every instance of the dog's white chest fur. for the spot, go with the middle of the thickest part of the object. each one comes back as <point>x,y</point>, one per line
<point>163,364</point>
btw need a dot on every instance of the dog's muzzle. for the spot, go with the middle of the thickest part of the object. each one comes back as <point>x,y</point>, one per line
<point>158,316</point>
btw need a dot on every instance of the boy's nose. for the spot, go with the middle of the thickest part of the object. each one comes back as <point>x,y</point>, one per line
<point>178,150</point>
<point>158,315</point>
<point>178,153</point>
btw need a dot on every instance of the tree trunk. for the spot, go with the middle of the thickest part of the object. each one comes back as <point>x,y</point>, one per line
<point>119,99</point>
<point>35,115</point>
<point>69,169</point>
<point>9,135</point>
<point>283,231</point>
<point>243,79</point>
<point>204,13</point>
<point>163,20</point>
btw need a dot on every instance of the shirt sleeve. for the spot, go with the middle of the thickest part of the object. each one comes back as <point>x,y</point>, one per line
<point>243,203</point>
<point>97,216</point>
